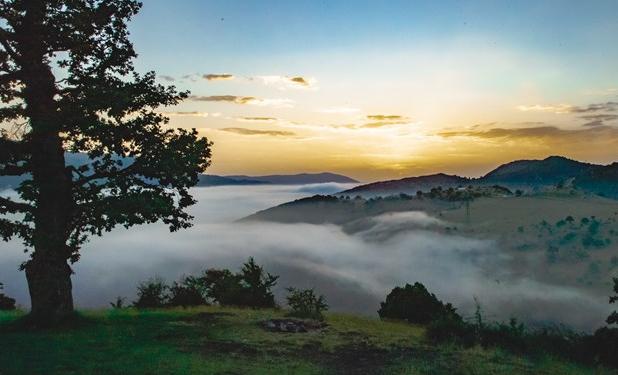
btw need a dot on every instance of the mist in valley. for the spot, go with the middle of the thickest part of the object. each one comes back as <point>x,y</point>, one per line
<point>354,271</point>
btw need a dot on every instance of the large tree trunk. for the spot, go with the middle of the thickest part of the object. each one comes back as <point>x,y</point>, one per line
<point>48,274</point>
<point>49,283</point>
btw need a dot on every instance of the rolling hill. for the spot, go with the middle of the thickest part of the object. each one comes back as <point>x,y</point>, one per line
<point>527,175</point>
<point>298,179</point>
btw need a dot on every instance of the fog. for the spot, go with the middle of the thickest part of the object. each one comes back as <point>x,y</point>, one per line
<point>353,271</point>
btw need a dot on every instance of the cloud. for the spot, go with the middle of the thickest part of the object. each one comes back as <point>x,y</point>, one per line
<point>188,114</point>
<point>191,77</point>
<point>338,110</point>
<point>548,132</point>
<point>379,121</point>
<point>381,124</point>
<point>224,98</point>
<point>250,100</point>
<point>598,120</point>
<point>607,106</point>
<point>245,131</point>
<point>257,119</point>
<point>283,82</point>
<point>219,77</point>
<point>384,117</point>
<point>567,108</point>
<point>558,108</point>
<point>167,78</point>
<point>300,80</point>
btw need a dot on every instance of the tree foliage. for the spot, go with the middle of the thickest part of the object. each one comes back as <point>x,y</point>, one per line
<point>304,303</point>
<point>6,302</point>
<point>69,87</point>
<point>613,318</point>
<point>251,287</point>
<point>138,170</point>
<point>415,304</point>
<point>152,293</point>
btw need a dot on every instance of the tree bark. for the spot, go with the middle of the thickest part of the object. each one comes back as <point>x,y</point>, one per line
<point>47,272</point>
<point>49,284</point>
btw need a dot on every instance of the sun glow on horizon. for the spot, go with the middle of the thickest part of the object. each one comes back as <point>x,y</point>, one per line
<point>405,92</point>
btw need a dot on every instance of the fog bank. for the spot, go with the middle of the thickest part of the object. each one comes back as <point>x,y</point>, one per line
<point>355,272</point>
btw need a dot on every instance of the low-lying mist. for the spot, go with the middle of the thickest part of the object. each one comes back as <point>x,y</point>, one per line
<point>353,271</point>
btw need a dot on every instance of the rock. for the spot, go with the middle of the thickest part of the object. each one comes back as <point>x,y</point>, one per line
<point>292,325</point>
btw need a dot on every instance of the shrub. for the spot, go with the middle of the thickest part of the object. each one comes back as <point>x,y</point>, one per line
<point>415,304</point>
<point>451,329</point>
<point>189,291</point>
<point>252,287</point>
<point>257,285</point>
<point>222,286</point>
<point>306,304</point>
<point>6,302</point>
<point>602,346</point>
<point>151,294</point>
<point>118,304</point>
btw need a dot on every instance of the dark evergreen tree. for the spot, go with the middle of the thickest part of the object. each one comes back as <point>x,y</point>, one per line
<point>67,84</point>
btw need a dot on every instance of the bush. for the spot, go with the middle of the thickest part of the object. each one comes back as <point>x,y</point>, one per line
<point>602,346</point>
<point>6,302</point>
<point>119,303</point>
<point>451,329</point>
<point>252,287</point>
<point>189,291</point>
<point>151,294</point>
<point>305,304</point>
<point>414,304</point>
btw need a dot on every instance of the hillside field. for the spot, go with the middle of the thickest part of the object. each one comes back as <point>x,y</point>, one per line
<point>213,340</point>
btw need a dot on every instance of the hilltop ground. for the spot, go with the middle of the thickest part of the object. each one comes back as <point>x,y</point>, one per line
<point>213,340</point>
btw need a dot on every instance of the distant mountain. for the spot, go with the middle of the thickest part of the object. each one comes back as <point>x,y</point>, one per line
<point>214,180</point>
<point>550,171</point>
<point>521,174</point>
<point>299,179</point>
<point>409,185</point>
<point>206,180</point>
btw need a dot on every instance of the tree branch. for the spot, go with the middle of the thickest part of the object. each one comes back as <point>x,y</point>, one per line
<point>12,149</point>
<point>13,170</point>
<point>8,77</point>
<point>9,206</point>
<point>107,174</point>
<point>5,36</point>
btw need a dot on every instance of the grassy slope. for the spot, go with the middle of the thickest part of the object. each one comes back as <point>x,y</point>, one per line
<point>211,340</point>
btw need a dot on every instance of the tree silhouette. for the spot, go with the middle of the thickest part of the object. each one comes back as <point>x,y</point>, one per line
<point>68,85</point>
<point>613,318</point>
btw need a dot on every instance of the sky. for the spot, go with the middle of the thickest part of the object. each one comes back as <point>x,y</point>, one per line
<point>379,90</point>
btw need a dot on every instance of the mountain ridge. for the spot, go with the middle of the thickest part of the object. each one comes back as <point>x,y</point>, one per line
<point>527,174</point>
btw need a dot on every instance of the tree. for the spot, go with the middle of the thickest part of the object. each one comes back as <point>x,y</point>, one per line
<point>152,293</point>
<point>68,85</point>
<point>613,318</point>
<point>251,287</point>
<point>305,304</point>
<point>6,302</point>
<point>415,304</point>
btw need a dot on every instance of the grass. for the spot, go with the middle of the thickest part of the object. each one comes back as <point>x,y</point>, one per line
<point>213,340</point>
